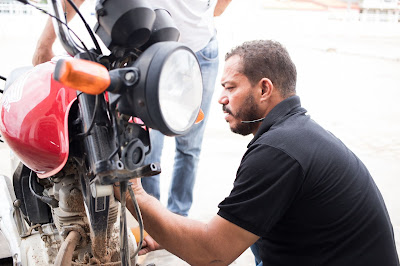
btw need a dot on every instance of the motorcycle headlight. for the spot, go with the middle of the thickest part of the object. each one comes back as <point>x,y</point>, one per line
<point>169,92</point>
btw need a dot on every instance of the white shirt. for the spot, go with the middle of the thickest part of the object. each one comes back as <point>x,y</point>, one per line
<point>193,18</point>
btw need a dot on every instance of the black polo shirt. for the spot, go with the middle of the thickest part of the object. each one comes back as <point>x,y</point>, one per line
<point>308,197</point>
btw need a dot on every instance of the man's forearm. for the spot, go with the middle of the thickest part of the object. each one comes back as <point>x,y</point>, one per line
<point>182,236</point>
<point>48,35</point>
<point>220,7</point>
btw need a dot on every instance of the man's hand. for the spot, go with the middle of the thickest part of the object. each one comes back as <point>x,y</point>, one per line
<point>149,244</point>
<point>137,188</point>
<point>136,185</point>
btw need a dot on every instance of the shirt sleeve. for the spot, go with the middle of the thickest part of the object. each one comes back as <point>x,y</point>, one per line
<point>266,184</point>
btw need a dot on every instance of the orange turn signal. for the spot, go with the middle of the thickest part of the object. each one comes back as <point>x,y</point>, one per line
<point>200,117</point>
<point>83,75</point>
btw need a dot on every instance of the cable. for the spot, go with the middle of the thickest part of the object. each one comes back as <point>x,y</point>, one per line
<point>48,200</point>
<point>124,247</point>
<point>116,133</point>
<point>98,49</point>
<point>139,218</point>
<point>51,15</point>
<point>96,105</point>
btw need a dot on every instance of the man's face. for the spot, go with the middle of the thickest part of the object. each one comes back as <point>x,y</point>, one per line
<point>239,99</point>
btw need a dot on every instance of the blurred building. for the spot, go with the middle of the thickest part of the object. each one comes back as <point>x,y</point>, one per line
<point>367,10</point>
<point>378,10</point>
<point>13,7</point>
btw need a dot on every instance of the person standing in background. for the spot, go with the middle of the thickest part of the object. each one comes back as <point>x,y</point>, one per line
<point>194,19</point>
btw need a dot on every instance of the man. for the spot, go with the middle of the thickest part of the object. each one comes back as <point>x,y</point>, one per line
<point>195,23</point>
<point>300,194</point>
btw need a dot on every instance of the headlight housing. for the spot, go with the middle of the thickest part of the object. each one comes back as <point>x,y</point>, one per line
<point>124,23</point>
<point>168,94</point>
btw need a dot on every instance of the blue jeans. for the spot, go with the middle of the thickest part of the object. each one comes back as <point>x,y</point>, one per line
<point>255,249</point>
<point>188,146</point>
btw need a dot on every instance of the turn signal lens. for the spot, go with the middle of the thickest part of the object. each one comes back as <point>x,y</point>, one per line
<point>200,117</point>
<point>83,75</point>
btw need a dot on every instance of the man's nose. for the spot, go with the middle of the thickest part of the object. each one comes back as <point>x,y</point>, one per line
<point>223,99</point>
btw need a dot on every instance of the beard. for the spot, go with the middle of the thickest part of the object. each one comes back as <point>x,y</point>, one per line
<point>247,112</point>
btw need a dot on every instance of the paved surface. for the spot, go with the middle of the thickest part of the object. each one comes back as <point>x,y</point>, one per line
<point>348,80</point>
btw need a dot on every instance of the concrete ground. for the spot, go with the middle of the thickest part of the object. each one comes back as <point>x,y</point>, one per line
<point>348,80</point>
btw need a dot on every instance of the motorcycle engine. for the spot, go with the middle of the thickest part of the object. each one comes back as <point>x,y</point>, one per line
<point>71,215</point>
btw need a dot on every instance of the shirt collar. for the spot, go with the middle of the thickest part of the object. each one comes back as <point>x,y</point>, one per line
<point>290,105</point>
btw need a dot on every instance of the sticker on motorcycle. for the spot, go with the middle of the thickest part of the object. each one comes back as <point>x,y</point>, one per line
<point>14,92</point>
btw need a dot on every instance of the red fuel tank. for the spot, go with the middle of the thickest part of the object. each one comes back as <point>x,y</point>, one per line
<point>34,120</point>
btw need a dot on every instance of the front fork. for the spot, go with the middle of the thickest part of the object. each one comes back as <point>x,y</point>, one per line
<point>100,147</point>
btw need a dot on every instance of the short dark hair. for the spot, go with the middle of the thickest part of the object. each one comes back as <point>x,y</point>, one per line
<point>267,59</point>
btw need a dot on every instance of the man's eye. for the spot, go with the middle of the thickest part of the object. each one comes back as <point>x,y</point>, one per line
<point>229,88</point>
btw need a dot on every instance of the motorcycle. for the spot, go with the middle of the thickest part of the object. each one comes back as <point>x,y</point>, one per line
<point>79,125</point>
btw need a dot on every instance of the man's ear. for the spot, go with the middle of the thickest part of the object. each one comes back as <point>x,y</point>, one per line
<point>266,88</point>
